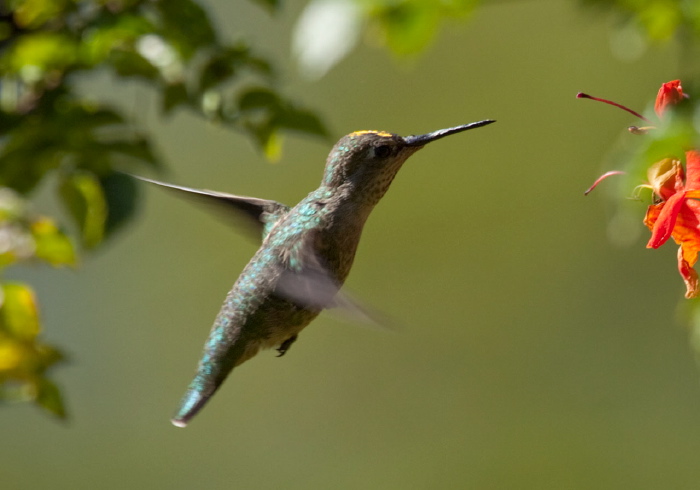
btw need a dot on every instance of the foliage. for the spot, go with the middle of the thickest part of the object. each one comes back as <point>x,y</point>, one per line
<point>328,30</point>
<point>47,129</point>
<point>660,20</point>
<point>23,357</point>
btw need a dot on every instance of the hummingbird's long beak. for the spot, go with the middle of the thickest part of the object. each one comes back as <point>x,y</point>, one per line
<point>424,139</point>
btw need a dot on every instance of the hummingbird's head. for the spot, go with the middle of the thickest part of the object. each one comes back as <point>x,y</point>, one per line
<point>367,161</point>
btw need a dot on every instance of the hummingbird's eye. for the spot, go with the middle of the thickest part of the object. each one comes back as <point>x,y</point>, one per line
<point>382,151</point>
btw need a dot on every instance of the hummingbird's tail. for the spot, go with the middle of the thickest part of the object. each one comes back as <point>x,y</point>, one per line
<point>197,395</point>
<point>213,369</point>
<point>217,362</point>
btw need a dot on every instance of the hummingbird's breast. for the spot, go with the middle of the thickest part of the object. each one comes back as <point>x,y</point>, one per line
<point>338,235</point>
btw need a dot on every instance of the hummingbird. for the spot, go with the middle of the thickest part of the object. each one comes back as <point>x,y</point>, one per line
<point>305,256</point>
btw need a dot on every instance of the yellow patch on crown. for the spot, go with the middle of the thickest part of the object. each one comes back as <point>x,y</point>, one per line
<point>368,131</point>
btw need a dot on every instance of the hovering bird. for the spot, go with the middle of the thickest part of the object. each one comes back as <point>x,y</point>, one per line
<point>305,256</point>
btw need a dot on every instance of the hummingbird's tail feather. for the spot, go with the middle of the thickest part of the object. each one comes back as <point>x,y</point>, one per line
<point>193,401</point>
<point>223,351</point>
<point>211,373</point>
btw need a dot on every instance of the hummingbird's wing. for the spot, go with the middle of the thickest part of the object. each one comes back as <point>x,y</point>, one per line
<point>307,282</point>
<point>258,214</point>
<point>350,309</point>
<point>311,287</point>
<point>318,290</point>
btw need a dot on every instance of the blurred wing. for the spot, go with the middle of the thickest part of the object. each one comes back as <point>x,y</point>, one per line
<point>258,215</point>
<point>307,283</point>
<point>348,308</point>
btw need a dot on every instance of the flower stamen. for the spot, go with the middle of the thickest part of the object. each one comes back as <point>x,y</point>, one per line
<point>581,95</point>
<point>640,130</point>
<point>601,178</point>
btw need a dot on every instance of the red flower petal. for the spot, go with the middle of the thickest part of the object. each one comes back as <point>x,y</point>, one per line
<point>670,93</point>
<point>692,165</point>
<point>666,220</point>
<point>687,230</point>
<point>690,277</point>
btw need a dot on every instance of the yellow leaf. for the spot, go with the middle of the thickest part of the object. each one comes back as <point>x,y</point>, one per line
<point>273,147</point>
<point>19,315</point>
<point>11,354</point>
<point>52,245</point>
<point>85,200</point>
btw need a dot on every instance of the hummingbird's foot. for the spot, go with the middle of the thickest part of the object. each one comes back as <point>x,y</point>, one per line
<point>282,349</point>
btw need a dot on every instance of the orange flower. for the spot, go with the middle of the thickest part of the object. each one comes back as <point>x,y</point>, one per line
<point>678,215</point>
<point>670,93</point>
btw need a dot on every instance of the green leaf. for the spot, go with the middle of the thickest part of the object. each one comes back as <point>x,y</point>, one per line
<point>135,147</point>
<point>22,166</point>
<point>85,117</point>
<point>115,36</point>
<point>224,64</point>
<point>258,98</point>
<point>661,20</point>
<point>121,193</point>
<point>48,355</point>
<point>34,56</point>
<point>34,13</point>
<point>52,245</point>
<point>408,26</point>
<point>84,199</point>
<point>174,95</point>
<point>302,120</point>
<point>131,64</point>
<point>186,25</point>
<point>8,121</point>
<point>216,71</point>
<point>671,136</point>
<point>271,5</point>
<point>262,113</point>
<point>49,398</point>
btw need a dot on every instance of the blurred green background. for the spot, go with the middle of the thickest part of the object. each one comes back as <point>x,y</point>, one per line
<point>532,352</point>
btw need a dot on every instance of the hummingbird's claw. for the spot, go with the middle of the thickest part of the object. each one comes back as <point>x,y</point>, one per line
<point>282,349</point>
